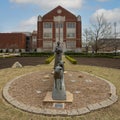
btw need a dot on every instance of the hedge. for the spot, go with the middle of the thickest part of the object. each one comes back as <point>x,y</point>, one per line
<point>35,54</point>
<point>99,55</point>
<point>72,60</point>
<point>49,59</point>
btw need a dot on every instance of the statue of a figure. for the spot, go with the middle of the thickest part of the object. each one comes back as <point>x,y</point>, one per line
<point>59,92</point>
<point>61,64</point>
<point>58,54</point>
<point>58,77</point>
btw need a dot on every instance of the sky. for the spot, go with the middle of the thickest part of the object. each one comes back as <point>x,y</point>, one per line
<point>21,15</point>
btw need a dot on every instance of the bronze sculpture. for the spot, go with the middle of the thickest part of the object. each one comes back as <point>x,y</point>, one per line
<point>59,92</point>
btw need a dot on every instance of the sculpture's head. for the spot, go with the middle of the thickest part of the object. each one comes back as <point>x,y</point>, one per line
<point>58,69</point>
<point>58,43</point>
<point>61,63</point>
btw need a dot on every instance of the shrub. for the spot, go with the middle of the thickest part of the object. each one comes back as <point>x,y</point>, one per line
<point>99,55</point>
<point>49,59</point>
<point>34,54</point>
<point>116,57</point>
<point>72,60</point>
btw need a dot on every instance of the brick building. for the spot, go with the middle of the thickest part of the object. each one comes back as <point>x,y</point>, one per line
<point>11,42</point>
<point>57,25</point>
<point>109,44</point>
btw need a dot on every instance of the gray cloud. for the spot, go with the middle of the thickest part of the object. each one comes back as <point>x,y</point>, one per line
<point>110,15</point>
<point>74,4</point>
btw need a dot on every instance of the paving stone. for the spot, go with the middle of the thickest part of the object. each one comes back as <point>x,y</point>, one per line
<point>62,112</point>
<point>39,111</point>
<point>77,92</point>
<point>44,80</point>
<point>72,112</point>
<point>47,76</point>
<point>38,91</point>
<point>7,96</point>
<point>52,72</point>
<point>83,110</point>
<point>114,98</point>
<point>73,80</point>
<point>24,107</point>
<point>88,81</point>
<point>113,90</point>
<point>106,103</point>
<point>33,109</point>
<point>16,103</point>
<point>65,72</point>
<point>50,112</point>
<point>94,106</point>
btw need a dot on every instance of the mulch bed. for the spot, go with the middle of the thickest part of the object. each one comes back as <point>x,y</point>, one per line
<point>25,61</point>
<point>86,89</point>
<point>102,62</point>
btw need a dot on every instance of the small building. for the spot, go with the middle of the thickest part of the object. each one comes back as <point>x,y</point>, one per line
<point>12,42</point>
<point>34,41</point>
<point>109,44</point>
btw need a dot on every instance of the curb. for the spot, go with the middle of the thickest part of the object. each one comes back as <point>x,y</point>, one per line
<point>79,111</point>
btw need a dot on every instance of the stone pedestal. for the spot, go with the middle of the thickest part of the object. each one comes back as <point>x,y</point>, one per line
<point>48,98</point>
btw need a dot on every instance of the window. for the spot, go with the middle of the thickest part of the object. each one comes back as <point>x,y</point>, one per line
<point>47,44</point>
<point>71,25</point>
<point>71,44</point>
<point>70,35</point>
<point>58,25</point>
<point>47,25</point>
<point>47,35</point>
<point>34,38</point>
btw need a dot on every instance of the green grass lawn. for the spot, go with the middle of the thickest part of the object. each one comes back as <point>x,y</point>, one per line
<point>8,112</point>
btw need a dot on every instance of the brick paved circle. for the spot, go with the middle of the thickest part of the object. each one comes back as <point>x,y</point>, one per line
<point>90,93</point>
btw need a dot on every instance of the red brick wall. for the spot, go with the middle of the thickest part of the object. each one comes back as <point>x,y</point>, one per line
<point>39,34</point>
<point>78,34</point>
<point>12,41</point>
<point>54,32</point>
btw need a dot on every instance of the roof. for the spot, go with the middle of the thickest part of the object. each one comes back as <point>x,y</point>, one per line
<point>59,11</point>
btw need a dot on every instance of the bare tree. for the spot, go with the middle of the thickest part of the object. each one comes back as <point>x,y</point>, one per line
<point>86,37</point>
<point>100,28</point>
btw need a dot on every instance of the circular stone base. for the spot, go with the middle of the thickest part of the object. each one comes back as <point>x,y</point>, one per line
<point>28,91</point>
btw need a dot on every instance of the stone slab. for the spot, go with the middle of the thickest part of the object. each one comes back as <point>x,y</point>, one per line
<point>69,98</point>
<point>73,112</point>
<point>114,98</point>
<point>106,103</point>
<point>62,112</point>
<point>83,110</point>
<point>94,106</point>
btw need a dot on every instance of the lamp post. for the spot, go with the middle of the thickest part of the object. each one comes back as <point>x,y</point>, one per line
<point>59,29</point>
<point>115,24</point>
